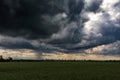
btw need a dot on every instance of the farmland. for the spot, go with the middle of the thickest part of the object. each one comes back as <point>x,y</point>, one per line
<point>59,70</point>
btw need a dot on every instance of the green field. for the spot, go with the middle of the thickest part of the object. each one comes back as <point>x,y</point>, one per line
<point>60,71</point>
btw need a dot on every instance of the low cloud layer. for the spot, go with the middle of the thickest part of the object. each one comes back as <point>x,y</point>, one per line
<point>68,26</point>
<point>31,54</point>
<point>19,54</point>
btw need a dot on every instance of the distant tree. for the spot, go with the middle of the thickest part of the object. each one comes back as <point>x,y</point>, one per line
<point>10,59</point>
<point>1,58</point>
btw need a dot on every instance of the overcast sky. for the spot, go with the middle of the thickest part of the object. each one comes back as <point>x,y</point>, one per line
<point>39,29</point>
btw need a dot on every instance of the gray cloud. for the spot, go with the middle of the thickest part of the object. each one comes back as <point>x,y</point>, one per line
<point>60,25</point>
<point>25,18</point>
<point>112,49</point>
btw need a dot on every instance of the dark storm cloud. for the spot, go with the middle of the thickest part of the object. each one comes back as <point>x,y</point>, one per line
<point>19,45</point>
<point>24,18</point>
<point>101,27</point>
<point>59,25</point>
<point>15,43</point>
<point>32,19</point>
<point>27,18</point>
<point>75,8</point>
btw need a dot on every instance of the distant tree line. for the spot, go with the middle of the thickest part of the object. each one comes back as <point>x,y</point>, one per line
<point>10,59</point>
<point>5,60</point>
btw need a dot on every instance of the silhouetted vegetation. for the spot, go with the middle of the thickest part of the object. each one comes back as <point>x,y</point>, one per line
<point>5,60</point>
<point>10,59</point>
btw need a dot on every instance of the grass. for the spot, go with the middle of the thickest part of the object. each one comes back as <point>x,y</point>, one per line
<point>60,71</point>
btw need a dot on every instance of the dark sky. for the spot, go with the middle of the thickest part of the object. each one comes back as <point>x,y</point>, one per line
<point>60,25</point>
